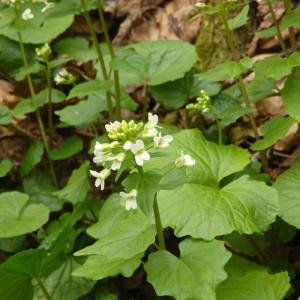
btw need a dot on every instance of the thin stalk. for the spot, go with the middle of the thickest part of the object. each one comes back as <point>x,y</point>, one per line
<point>99,54</point>
<point>159,228</point>
<point>43,288</point>
<point>50,111</point>
<point>145,102</point>
<point>37,112</point>
<point>292,35</point>
<point>112,55</point>
<point>241,84</point>
<point>278,31</point>
<point>220,132</point>
<point>256,248</point>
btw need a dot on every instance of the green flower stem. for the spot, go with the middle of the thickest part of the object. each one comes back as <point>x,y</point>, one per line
<point>100,56</point>
<point>50,112</point>
<point>159,228</point>
<point>43,288</point>
<point>278,31</point>
<point>292,35</point>
<point>112,55</point>
<point>241,84</point>
<point>220,132</point>
<point>32,94</point>
<point>145,102</point>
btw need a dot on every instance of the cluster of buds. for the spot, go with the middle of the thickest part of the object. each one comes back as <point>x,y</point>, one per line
<point>64,77</point>
<point>203,103</point>
<point>43,52</point>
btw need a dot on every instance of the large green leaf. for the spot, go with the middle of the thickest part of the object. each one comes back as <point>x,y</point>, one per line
<point>290,95</point>
<point>32,157</point>
<point>62,285</point>
<point>194,275</point>
<point>78,185</point>
<point>48,26</point>
<point>248,281</point>
<point>71,146</point>
<point>227,70</point>
<point>202,207</point>
<point>288,187</point>
<point>122,237</point>
<point>154,62</point>
<point>17,217</point>
<point>273,130</point>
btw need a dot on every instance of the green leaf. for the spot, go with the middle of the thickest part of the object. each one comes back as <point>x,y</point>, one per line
<point>194,275</point>
<point>18,217</point>
<point>62,285</point>
<point>290,95</point>
<point>30,105</point>
<point>154,62</point>
<point>232,115</point>
<point>38,185</point>
<point>175,94</point>
<point>273,130</point>
<point>98,267</point>
<point>5,167</point>
<point>227,70</point>
<point>15,244</point>
<point>5,115</point>
<point>83,113</point>
<point>202,207</point>
<point>287,185</point>
<point>49,27</point>
<point>32,157</point>
<point>71,146</point>
<point>248,281</point>
<point>90,88</point>
<point>78,48</point>
<point>147,188</point>
<point>240,19</point>
<point>78,185</point>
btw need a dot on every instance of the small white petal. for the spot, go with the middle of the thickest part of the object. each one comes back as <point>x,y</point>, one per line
<point>127,145</point>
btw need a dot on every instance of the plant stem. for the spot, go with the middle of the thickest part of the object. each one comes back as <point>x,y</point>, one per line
<point>145,102</point>
<point>32,94</point>
<point>112,55</point>
<point>220,133</point>
<point>278,31</point>
<point>255,247</point>
<point>100,56</point>
<point>159,229</point>
<point>292,35</point>
<point>50,114</point>
<point>43,288</point>
<point>241,84</point>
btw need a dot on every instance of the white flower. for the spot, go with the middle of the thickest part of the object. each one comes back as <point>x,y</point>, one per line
<point>47,6</point>
<point>184,160</point>
<point>117,161</point>
<point>101,176</point>
<point>162,141</point>
<point>112,126</point>
<point>127,145</point>
<point>140,154</point>
<point>152,132</point>
<point>129,199</point>
<point>101,152</point>
<point>152,121</point>
<point>64,77</point>
<point>27,14</point>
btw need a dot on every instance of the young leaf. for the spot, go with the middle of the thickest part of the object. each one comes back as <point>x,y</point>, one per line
<point>5,167</point>
<point>247,280</point>
<point>18,217</point>
<point>90,88</point>
<point>71,146</point>
<point>240,19</point>
<point>273,130</point>
<point>5,115</point>
<point>290,95</point>
<point>32,157</point>
<point>154,62</point>
<point>78,185</point>
<point>287,185</point>
<point>194,275</point>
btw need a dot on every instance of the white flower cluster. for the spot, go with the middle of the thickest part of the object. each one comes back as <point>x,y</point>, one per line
<point>131,140</point>
<point>27,14</point>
